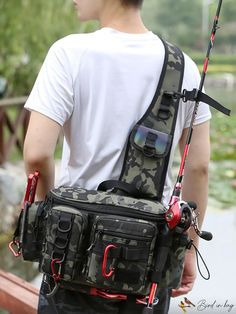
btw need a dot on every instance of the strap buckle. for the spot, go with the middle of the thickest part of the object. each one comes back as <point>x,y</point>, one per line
<point>105,295</point>
<point>144,301</point>
<point>190,95</point>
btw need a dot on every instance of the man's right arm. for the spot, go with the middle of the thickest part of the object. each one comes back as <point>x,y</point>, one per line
<point>195,188</point>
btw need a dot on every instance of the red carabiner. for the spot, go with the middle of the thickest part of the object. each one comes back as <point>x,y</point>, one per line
<point>104,262</point>
<point>14,252</point>
<point>56,274</point>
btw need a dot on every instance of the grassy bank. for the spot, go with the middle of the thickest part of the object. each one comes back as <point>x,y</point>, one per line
<point>219,68</point>
<point>219,63</point>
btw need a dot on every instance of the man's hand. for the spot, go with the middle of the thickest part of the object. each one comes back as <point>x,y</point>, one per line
<point>189,275</point>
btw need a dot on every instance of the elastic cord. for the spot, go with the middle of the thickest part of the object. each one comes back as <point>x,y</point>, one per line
<point>198,254</point>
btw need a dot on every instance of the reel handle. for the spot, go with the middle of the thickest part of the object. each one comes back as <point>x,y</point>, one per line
<point>206,235</point>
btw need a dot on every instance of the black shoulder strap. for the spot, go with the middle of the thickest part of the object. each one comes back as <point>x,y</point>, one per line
<point>148,149</point>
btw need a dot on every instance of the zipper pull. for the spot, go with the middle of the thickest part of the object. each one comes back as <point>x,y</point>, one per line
<point>99,234</point>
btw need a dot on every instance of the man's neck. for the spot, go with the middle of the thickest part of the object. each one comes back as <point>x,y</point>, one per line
<point>127,20</point>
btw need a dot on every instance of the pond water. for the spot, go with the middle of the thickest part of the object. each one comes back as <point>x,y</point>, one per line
<point>227,98</point>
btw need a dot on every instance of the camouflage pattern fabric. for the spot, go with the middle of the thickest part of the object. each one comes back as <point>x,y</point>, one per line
<point>173,270</point>
<point>34,232</point>
<point>64,243</point>
<point>148,173</point>
<point>135,241</point>
<point>83,196</point>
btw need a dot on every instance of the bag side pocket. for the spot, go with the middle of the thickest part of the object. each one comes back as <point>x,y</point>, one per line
<point>173,271</point>
<point>34,232</point>
<point>64,246</point>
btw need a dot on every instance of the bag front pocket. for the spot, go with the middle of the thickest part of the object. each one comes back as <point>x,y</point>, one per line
<point>121,254</point>
<point>64,245</point>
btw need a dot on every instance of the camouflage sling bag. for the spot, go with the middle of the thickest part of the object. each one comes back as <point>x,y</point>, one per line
<point>103,241</point>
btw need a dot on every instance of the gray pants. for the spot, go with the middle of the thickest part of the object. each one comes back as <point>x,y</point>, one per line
<point>71,302</point>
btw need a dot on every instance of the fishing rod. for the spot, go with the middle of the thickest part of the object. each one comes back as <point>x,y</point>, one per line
<point>195,110</point>
<point>181,215</point>
<point>174,213</point>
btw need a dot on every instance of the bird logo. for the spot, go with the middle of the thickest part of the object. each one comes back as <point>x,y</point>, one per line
<point>187,301</point>
<point>185,304</point>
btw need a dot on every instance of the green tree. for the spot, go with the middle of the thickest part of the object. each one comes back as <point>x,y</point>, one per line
<point>177,21</point>
<point>180,21</point>
<point>27,30</point>
<point>227,35</point>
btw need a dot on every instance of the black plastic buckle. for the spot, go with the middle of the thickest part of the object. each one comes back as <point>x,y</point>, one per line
<point>173,95</point>
<point>167,100</point>
<point>149,148</point>
<point>190,95</point>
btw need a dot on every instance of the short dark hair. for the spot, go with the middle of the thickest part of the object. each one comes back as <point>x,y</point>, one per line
<point>134,3</point>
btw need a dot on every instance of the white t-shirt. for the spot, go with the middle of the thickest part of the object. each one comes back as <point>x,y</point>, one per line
<point>97,86</point>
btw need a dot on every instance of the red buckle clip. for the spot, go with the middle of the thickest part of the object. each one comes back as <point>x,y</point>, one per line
<point>150,300</point>
<point>14,252</point>
<point>143,300</point>
<point>56,274</point>
<point>112,296</point>
<point>31,188</point>
<point>104,262</point>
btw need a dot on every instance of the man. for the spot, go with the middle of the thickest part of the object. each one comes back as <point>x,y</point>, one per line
<point>95,87</point>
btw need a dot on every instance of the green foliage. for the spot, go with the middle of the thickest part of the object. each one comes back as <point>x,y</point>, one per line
<point>223,137</point>
<point>222,186</point>
<point>177,21</point>
<point>227,35</point>
<point>27,30</point>
<point>182,22</point>
<point>173,18</point>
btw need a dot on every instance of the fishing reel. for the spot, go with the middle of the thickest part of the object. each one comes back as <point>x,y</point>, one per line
<point>182,215</point>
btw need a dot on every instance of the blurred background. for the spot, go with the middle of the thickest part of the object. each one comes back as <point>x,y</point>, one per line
<point>27,30</point>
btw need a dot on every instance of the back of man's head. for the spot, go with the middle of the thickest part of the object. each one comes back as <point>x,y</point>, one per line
<point>135,3</point>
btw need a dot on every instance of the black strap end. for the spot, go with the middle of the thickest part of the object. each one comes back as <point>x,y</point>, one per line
<point>197,95</point>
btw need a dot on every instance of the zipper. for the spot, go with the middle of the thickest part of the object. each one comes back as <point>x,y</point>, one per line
<point>100,233</point>
<point>127,235</point>
<point>124,235</point>
<point>107,209</point>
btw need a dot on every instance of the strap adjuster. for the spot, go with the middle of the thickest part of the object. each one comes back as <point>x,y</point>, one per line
<point>190,95</point>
